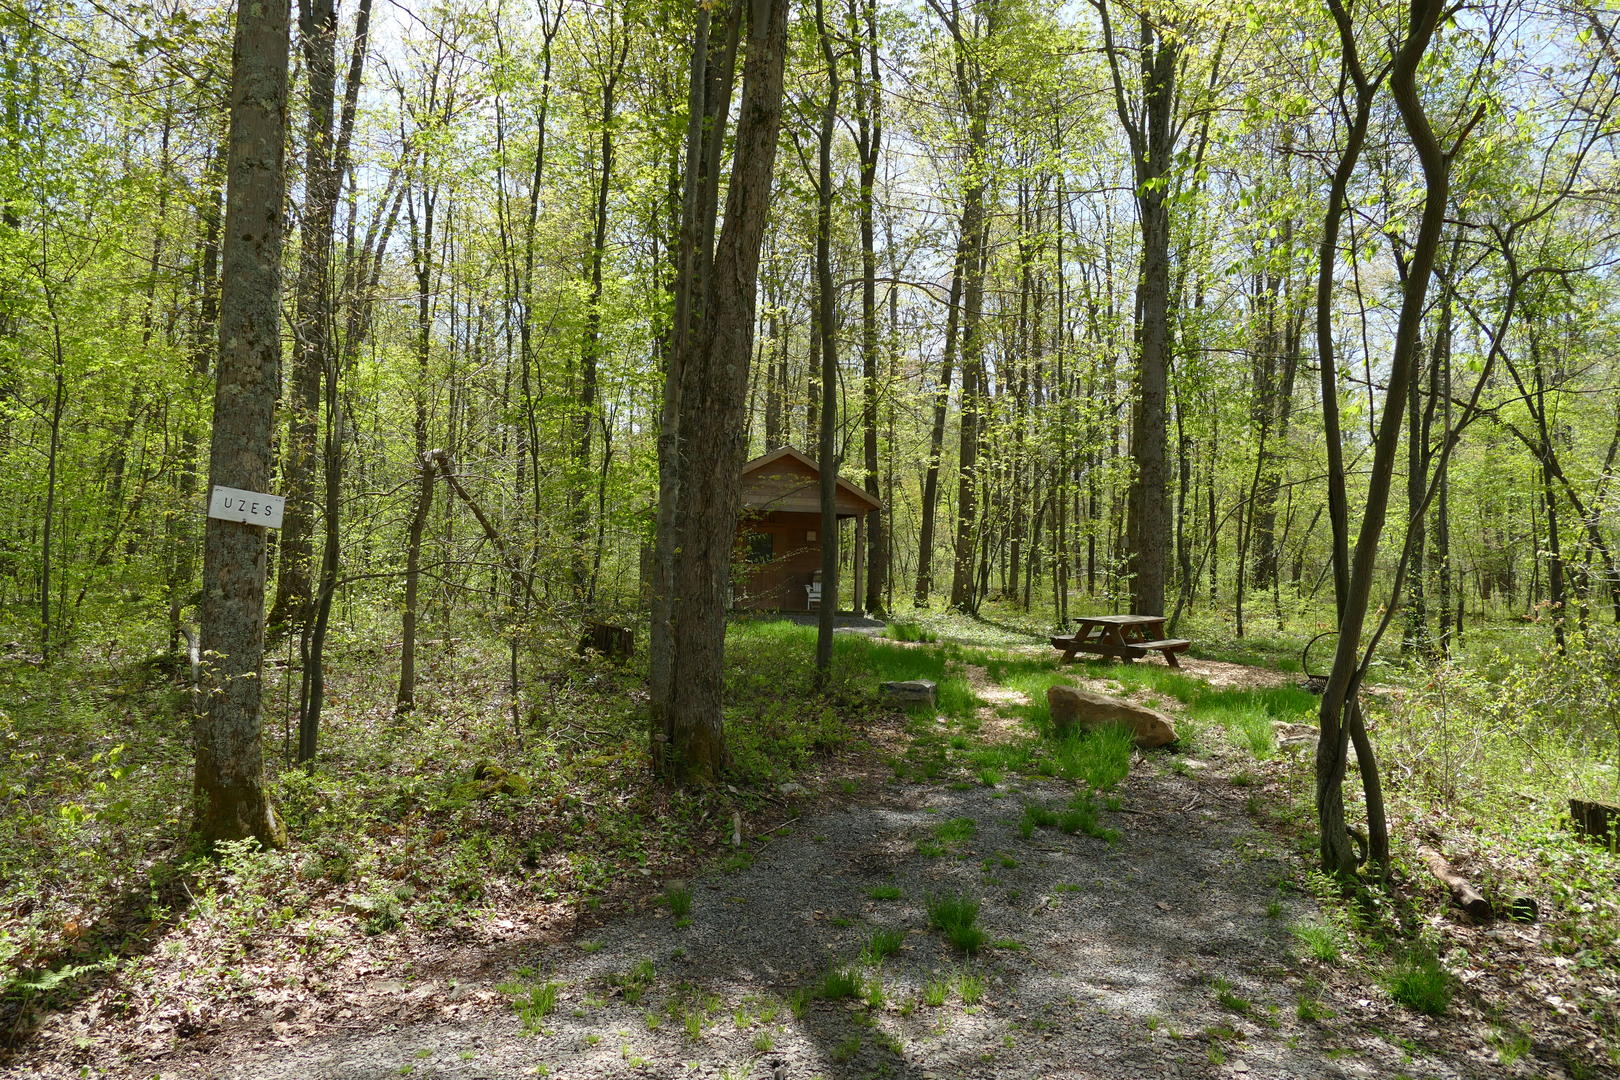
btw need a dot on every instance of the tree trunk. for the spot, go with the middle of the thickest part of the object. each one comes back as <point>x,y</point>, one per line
<point>1340,712</point>
<point>1152,141</point>
<point>708,105</point>
<point>590,351</point>
<point>312,312</point>
<point>936,441</point>
<point>230,800</point>
<point>714,380</point>
<point>826,328</point>
<point>869,144</point>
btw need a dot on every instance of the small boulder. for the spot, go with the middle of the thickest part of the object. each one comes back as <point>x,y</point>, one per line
<point>1072,707</point>
<point>911,693</point>
<point>1290,736</point>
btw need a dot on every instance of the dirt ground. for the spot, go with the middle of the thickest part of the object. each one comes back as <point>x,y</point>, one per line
<point>1165,951</point>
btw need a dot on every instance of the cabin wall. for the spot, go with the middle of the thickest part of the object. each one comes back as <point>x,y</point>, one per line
<point>779,584</point>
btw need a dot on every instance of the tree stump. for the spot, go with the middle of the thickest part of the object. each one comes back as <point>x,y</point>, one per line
<point>613,642</point>
<point>1595,820</point>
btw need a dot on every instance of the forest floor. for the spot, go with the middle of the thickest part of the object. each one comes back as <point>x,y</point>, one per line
<point>1162,925</point>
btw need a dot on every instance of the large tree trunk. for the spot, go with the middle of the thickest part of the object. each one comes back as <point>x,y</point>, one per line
<point>975,85</point>
<point>936,440</point>
<point>708,104</point>
<point>1152,136</point>
<point>230,800</point>
<point>714,382</point>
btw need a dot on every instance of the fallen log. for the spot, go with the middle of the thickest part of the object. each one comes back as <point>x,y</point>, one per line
<point>1464,894</point>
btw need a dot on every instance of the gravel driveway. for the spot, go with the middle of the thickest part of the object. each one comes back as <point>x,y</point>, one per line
<point>1166,953</point>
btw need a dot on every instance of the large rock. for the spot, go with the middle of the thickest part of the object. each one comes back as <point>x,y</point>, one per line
<point>1073,707</point>
<point>912,693</point>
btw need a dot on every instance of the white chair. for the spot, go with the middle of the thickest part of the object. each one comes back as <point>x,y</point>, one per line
<point>813,591</point>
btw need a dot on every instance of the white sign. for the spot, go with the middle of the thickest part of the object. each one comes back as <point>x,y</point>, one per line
<point>253,507</point>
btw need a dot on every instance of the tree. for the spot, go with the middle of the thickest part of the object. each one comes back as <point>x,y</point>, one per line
<point>1151,127</point>
<point>231,802</point>
<point>713,374</point>
<point>1340,713</point>
<point>827,331</point>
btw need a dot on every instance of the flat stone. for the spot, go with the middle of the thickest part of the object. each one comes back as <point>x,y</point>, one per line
<point>911,692</point>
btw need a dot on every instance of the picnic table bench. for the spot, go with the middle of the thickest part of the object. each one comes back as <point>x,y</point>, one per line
<point>1124,637</point>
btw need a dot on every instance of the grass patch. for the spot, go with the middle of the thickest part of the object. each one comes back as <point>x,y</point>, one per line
<point>881,944</point>
<point>679,899</point>
<point>955,832</point>
<point>1419,982</point>
<point>1099,759</point>
<point>909,630</point>
<point>532,1000</point>
<point>884,892</point>
<point>1231,999</point>
<point>839,983</point>
<point>1320,942</point>
<point>1078,815</point>
<point>633,985</point>
<point>955,916</point>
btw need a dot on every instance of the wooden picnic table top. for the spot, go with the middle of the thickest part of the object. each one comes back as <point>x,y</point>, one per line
<point>1118,620</point>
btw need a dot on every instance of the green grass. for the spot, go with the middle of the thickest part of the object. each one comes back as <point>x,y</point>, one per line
<point>884,892</point>
<point>634,984</point>
<point>1230,999</point>
<point>532,1000</point>
<point>955,832</point>
<point>1247,715</point>
<point>909,630</point>
<point>955,916</point>
<point>1420,983</point>
<point>881,944</point>
<point>1078,815</point>
<point>839,983</point>
<point>1321,942</point>
<point>1099,759</point>
<point>679,899</point>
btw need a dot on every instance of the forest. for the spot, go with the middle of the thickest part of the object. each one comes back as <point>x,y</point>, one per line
<point>1292,326</point>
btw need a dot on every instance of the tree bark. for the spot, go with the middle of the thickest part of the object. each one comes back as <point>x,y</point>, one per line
<point>708,105</point>
<point>312,313</point>
<point>590,351</point>
<point>827,331</point>
<point>1340,711</point>
<point>1151,134</point>
<point>714,381</point>
<point>230,800</point>
<point>869,145</point>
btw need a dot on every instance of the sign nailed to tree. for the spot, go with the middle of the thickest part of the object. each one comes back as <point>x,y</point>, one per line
<point>253,507</point>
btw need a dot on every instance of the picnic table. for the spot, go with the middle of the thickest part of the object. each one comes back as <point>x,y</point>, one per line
<point>1124,637</point>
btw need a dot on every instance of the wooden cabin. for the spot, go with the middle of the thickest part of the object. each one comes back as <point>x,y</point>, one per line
<point>779,531</point>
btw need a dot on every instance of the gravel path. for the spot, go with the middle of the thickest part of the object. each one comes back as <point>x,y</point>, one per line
<point>1164,954</point>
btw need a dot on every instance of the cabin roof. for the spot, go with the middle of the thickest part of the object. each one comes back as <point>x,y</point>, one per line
<point>786,480</point>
